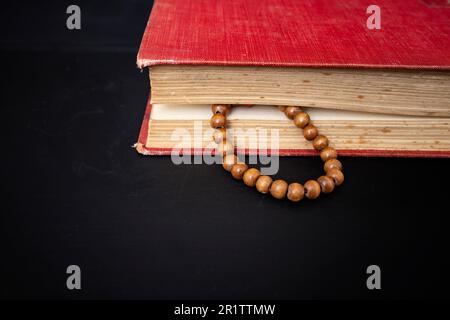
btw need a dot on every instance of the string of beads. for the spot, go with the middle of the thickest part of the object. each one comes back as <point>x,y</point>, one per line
<point>279,189</point>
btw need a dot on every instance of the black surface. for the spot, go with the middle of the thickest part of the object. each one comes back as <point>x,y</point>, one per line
<point>75,192</point>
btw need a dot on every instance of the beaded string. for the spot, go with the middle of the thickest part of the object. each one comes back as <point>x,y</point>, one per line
<point>279,189</point>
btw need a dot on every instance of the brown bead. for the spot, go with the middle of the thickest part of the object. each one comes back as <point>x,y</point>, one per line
<point>220,108</point>
<point>328,153</point>
<point>278,189</point>
<point>291,111</point>
<point>282,108</point>
<point>312,189</point>
<point>295,192</point>
<point>263,184</point>
<point>224,148</point>
<point>218,121</point>
<point>336,175</point>
<point>310,132</point>
<point>219,135</point>
<point>301,119</point>
<point>238,170</point>
<point>326,184</point>
<point>250,177</point>
<point>320,142</point>
<point>332,164</point>
<point>229,161</point>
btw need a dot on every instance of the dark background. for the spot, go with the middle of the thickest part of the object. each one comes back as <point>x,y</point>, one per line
<point>75,192</point>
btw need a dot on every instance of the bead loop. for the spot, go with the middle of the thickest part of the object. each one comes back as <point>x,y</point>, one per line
<point>280,189</point>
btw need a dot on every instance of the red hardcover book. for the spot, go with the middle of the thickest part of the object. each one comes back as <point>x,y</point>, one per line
<point>415,34</point>
<point>312,33</point>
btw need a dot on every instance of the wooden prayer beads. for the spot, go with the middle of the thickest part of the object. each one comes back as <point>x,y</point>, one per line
<point>250,177</point>
<point>280,189</point>
<point>263,184</point>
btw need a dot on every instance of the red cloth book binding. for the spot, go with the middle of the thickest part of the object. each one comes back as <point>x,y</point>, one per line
<point>414,34</point>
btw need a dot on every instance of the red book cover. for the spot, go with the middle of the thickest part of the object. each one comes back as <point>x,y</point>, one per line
<point>310,33</point>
